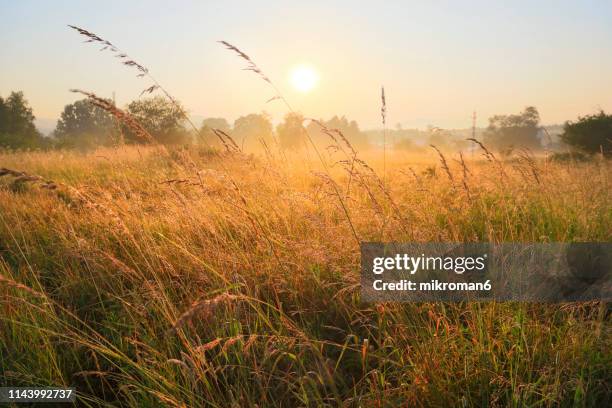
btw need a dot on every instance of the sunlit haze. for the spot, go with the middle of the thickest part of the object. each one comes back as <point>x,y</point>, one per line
<point>304,78</point>
<point>439,61</point>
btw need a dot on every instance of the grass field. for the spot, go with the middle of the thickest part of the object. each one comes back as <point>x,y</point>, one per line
<point>181,277</point>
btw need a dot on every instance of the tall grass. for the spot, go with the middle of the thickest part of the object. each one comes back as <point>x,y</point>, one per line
<point>144,279</point>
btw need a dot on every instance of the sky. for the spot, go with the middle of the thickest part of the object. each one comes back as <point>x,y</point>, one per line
<point>438,60</point>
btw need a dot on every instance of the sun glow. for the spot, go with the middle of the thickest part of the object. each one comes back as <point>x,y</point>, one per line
<point>304,78</point>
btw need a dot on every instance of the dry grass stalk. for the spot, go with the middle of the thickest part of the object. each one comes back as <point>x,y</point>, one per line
<point>231,341</point>
<point>229,143</point>
<point>383,106</point>
<point>489,156</point>
<point>416,176</point>
<point>121,266</point>
<point>204,308</point>
<point>466,171</point>
<point>444,165</point>
<point>251,66</point>
<point>208,346</point>
<point>383,114</point>
<point>20,286</point>
<point>527,157</point>
<point>90,373</point>
<point>487,153</point>
<point>23,177</point>
<point>107,45</point>
<point>178,362</point>
<point>119,114</point>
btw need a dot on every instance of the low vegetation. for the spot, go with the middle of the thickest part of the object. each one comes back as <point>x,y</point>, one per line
<point>149,276</point>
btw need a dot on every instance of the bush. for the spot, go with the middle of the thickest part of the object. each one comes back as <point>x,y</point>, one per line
<point>591,134</point>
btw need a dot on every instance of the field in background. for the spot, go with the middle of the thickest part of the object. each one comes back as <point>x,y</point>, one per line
<point>184,277</point>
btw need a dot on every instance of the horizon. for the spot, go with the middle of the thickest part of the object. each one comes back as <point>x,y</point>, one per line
<point>46,125</point>
<point>455,59</point>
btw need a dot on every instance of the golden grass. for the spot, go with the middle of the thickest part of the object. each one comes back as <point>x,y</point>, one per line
<point>186,277</point>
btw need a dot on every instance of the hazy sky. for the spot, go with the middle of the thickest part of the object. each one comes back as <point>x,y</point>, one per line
<point>438,60</point>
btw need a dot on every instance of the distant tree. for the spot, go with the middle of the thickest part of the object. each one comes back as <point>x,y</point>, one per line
<point>85,125</point>
<point>291,132</point>
<point>217,123</point>
<point>438,137</point>
<point>161,118</point>
<point>591,134</point>
<point>206,134</point>
<point>250,130</point>
<point>511,131</point>
<point>350,130</point>
<point>17,129</point>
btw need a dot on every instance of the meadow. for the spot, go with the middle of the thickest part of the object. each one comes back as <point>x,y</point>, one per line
<point>159,276</point>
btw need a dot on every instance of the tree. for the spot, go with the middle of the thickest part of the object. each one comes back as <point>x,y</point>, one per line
<point>251,130</point>
<point>17,129</point>
<point>291,132</point>
<point>161,118</point>
<point>206,133</point>
<point>590,134</point>
<point>350,130</point>
<point>506,132</point>
<point>216,123</point>
<point>85,125</point>
<point>438,137</point>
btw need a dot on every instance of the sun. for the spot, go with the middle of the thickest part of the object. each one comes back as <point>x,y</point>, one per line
<point>304,78</point>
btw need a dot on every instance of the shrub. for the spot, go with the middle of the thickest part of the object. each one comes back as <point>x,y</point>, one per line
<point>591,134</point>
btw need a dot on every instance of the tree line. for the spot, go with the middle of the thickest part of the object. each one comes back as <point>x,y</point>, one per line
<point>83,125</point>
